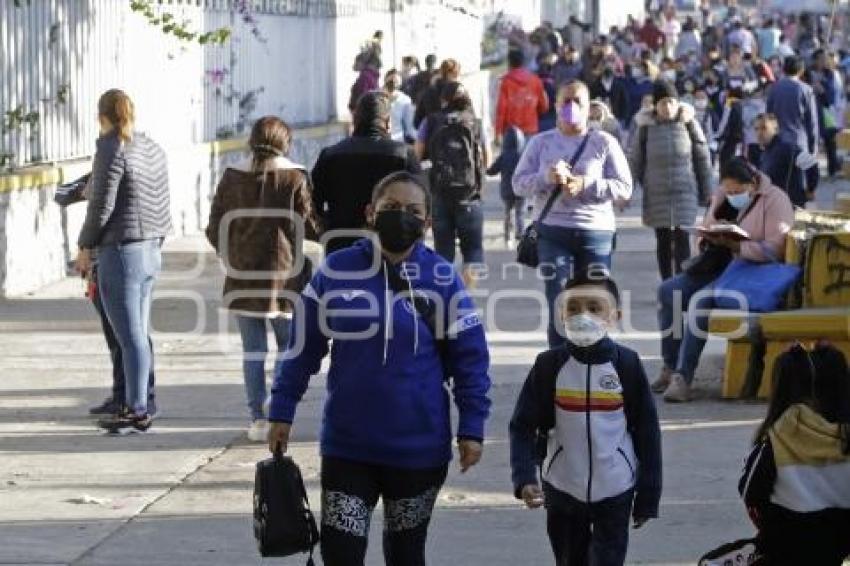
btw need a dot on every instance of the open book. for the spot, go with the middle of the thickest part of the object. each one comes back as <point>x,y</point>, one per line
<point>729,230</point>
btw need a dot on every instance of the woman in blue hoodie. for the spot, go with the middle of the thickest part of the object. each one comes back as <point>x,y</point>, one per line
<point>402,326</point>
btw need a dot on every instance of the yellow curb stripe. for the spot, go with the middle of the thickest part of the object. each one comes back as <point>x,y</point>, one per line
<point>46,175</point>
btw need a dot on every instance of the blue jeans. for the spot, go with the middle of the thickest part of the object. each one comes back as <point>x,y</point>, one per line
<point>126,274</point>
<point>462,221</point>
<point>564,252</point>
<point>678,296</point>
<point>119,384</point>
<point>255,346</point>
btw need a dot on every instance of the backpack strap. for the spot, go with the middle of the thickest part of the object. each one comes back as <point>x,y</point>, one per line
<point>547,372</point>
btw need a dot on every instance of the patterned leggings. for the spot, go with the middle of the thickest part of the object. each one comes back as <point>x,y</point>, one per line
<point>350,491</point>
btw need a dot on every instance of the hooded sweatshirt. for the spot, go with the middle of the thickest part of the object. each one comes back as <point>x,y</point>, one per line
<point>801,467</point>
<point>387,401</point>
<point>522,99</point>
<point>796,485</point>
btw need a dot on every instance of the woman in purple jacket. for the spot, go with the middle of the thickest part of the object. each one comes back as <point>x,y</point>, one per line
<point>577,233</point>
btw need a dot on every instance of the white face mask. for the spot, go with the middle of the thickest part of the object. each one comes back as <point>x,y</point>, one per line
<point>585,330</point>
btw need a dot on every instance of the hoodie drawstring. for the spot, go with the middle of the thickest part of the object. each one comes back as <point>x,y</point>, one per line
<point>389,301</point>
<point>413,314</point>
<point>387,307</point>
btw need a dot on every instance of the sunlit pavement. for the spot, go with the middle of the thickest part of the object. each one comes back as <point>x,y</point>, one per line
<point>181,495</point>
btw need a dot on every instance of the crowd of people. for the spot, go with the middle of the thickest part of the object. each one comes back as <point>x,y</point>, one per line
<point>652,106</point>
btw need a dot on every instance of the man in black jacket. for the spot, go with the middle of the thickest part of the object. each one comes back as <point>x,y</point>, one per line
<point>346,173</point>
<point>789,168</point>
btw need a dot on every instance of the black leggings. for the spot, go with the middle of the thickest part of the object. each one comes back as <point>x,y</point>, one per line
<point>673,249</point>
<point>350,491</point>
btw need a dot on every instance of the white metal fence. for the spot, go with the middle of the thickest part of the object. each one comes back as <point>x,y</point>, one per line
<point>292,58</point>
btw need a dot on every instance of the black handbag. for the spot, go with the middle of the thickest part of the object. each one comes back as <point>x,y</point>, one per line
<point>70,193</point>
<point>709,263</point>
<point>283,522</point>
<point>526,250</point>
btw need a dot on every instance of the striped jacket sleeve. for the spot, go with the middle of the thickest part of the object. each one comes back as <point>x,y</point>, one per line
<point>106,176</point>
<point>759,477</point>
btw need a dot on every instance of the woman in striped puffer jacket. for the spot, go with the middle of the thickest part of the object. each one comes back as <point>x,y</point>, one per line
<point>129,215</point>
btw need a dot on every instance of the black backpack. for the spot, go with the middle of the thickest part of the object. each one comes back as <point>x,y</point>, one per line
<point>283,522</point>
<point>455,155</point>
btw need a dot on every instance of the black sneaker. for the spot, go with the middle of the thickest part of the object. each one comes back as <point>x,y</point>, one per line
<point>126,423</point>
<point>109,407</point>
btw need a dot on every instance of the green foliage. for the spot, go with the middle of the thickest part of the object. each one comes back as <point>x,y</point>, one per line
<point>15,120</point>
<point>170,26</point>
<point>6,160</point>
<point>62,93</point>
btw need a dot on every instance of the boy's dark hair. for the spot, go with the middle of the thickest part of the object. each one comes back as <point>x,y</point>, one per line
<point>401,177</point>
<point>516,58</point>
<point>595,278</point>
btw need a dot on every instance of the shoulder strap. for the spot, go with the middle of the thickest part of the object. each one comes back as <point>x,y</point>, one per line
<point>555,192</point>
<point>548,370</point>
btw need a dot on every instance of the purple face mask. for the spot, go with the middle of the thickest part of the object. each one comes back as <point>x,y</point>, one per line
<point>571,114</point>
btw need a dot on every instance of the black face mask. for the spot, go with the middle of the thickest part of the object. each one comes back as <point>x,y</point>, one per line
<point>398,230</point>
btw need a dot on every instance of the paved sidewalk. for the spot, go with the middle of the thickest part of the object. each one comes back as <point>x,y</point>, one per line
<point>182,494</point>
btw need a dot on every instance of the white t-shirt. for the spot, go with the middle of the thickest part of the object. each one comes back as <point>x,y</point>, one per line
<point>672,29</point>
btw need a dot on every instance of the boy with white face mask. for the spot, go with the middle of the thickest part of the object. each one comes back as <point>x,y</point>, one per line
<point>589,402</point>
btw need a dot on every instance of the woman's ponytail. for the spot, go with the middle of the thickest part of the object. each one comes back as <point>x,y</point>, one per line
<point>118,109</point>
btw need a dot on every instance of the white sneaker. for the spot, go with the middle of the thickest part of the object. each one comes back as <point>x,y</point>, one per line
<point>258,431</point>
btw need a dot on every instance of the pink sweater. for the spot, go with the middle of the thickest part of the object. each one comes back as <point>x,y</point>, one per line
<point>767,222</point>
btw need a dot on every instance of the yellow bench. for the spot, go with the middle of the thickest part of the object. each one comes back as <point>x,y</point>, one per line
<point>825,314</point>
<point>779,329</point>
<point>737,327</point>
